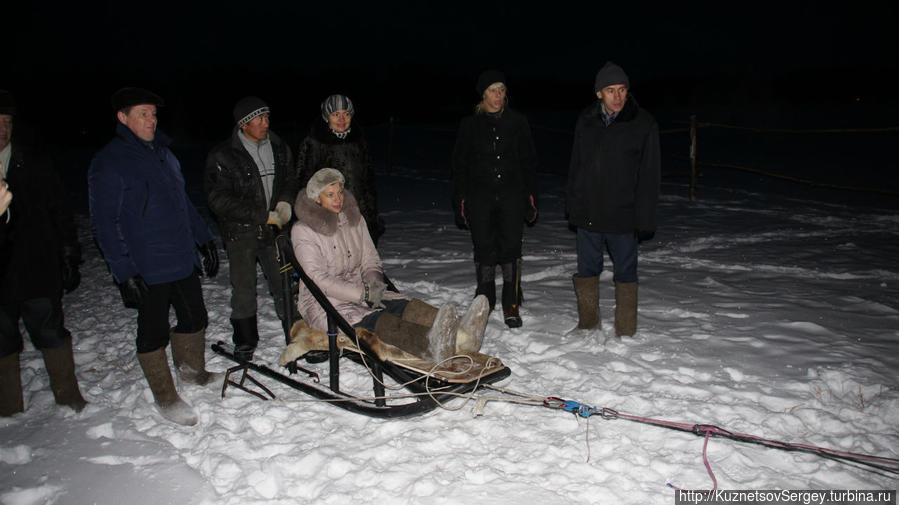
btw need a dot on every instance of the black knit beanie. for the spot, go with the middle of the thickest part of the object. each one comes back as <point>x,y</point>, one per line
<point>610,74</point>
<point>247,108</point>
<point>487,78</point>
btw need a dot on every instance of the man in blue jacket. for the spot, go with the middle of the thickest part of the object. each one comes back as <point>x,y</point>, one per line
<point>149,232</point>
<point>613,188</point>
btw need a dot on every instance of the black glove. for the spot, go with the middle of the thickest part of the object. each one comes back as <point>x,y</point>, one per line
<point>133,291</point>
<point>71,277</point>
<point>644,235</point>
<point>373,292</point>
<point>210,258</point>
<point>461,220</point>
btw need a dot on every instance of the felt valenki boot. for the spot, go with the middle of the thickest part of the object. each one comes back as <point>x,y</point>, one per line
<point>437,342</point>
<point>189,355</point>
<point>11,401</point>
<point>470,333</point>
<point>155,365</point>
<point>625,309</point>
<point>61,369</point>
<point>419,312</point>
<point>587,291</point>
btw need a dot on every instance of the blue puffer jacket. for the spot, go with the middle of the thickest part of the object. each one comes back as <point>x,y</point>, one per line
<point>141,216</point>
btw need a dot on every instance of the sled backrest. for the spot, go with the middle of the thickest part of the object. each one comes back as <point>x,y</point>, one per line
<point>289,266</point>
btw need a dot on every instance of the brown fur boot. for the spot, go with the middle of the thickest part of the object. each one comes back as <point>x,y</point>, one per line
<point>10,386</point>
<point>155,365</point>
<point>587,291</point>
<point>625,309</point>
<point>61,368</point>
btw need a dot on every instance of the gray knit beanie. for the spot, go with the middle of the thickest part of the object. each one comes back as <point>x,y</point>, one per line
<point>610,74</point>
<point>321,180</point>
<point>335,103</point>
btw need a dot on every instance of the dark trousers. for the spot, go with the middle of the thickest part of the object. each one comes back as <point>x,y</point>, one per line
<point>43,320</point>
<point>243,253</point>
<point>185,296</point>
<point>622,248</point>
<point>496,226</point>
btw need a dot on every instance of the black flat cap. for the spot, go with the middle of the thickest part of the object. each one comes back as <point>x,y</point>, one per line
<point>129,97</point>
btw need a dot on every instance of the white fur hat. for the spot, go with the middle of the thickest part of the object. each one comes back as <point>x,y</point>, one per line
<point>321,180</point>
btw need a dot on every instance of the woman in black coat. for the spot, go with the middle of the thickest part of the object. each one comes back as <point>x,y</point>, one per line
<point>334,142</point>
<point>495,189</point>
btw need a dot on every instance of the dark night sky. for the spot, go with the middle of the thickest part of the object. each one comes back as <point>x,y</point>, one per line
<point>415,59</point>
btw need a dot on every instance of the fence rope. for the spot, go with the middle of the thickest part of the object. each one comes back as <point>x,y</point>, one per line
<point>799,179</point>
<point>793,130</point>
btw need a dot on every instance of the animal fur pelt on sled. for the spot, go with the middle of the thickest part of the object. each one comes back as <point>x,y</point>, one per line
<point>304,339</point>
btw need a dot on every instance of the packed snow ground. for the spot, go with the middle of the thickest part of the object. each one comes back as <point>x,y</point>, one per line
<point>762,314</point>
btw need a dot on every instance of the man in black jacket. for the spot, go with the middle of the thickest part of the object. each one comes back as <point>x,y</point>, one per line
<point>39,257</point>
<point>613,188</point>
<point>250,186</point>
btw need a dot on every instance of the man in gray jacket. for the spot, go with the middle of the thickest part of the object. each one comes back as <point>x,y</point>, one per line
<point>613,188</point>
<point>250,186</point>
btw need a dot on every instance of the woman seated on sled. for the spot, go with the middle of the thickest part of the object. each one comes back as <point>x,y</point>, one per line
<point>332,243</point>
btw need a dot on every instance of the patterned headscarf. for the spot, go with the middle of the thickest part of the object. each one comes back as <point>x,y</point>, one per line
<point>337,102</point>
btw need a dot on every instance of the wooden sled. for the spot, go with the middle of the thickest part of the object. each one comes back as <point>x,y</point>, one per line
<point>424,384</point>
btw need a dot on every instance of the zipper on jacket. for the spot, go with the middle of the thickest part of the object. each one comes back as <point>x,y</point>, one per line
<point>143,212</point>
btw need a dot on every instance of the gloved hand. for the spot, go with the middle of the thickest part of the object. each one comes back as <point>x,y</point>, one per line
<point>373,293</point>
<point>71,277</point>
<point>210,258</point>
<point>280,216</point>
<point>644,235</point>
<point>461,220</point>
<point>133,291</point>
<point>530,210</point>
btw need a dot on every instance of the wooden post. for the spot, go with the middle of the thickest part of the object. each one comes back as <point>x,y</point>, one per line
<point>390,129</point>
<point>693,158</point>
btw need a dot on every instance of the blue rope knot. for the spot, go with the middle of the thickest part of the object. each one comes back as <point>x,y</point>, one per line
<point>576,408</point>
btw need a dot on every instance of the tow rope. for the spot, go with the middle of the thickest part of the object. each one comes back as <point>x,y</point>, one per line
<point>888,465</point>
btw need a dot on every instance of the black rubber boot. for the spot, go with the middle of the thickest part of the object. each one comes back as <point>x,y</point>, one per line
<point>245,338</point>
<point>486,277</point>
<point>512,293</point>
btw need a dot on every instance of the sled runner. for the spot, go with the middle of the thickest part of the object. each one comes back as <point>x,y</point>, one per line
<point>424,385</point>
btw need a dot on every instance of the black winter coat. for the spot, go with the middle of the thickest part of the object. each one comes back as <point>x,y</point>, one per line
<point>40,232</point>
<point>495,159</point>
<point>234,187</point>
<point>613,177</point>
<point>350,155</point>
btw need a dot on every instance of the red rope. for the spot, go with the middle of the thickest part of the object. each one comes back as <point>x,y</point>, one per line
<point>890,465</point>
